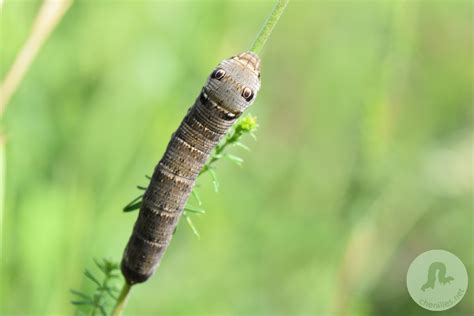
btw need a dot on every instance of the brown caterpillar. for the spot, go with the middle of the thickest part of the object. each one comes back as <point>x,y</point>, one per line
<point>229,90</point>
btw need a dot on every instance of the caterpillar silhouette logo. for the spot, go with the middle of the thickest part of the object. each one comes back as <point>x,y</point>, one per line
<point>437,280</point>
<point>440,268</point>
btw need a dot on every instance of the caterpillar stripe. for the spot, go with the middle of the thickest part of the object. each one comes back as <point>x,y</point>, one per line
<point>229,90</point>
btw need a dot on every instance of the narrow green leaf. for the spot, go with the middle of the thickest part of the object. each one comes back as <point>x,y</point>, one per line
<point>102,310</point>
<point>214,180</point>
<point>100,265</point>
<point>235,159</point>
<point>91,277</point>
<point>81,303</point>
<point>191,225</point>
<point>138,198</point>
<point>111,294</point>
<point>80,294</point>
<point>196,196</point>
<point>110,265</point>
<point>192,209</point>
<point>239,144</point>
<point>133,207</point>
<point>135,204</point>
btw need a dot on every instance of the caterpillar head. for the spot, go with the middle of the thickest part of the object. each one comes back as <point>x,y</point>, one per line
<point>235,82</point>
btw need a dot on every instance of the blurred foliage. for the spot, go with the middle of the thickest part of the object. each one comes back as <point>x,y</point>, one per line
<point>364,158</point>
<point>105,293</point>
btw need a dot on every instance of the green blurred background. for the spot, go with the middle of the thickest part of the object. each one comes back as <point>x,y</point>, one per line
<point>364,157</point>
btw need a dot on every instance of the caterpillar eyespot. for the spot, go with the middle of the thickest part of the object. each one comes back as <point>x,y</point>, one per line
<point>188,150</point>
<point>218,74</point>
<point>247,93</point>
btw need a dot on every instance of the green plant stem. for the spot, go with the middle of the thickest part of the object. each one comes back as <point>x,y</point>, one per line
<point>269,25</point>
<point>122,299</point>
<point>230,139</point>
<point>215,157</point>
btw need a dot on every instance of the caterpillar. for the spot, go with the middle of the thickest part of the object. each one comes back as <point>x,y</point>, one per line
<point>230,89</point>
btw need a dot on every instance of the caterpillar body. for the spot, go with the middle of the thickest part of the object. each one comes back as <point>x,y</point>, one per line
<point>229,90</point>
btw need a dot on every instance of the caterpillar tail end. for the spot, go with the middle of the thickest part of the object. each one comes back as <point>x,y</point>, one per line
<point>133,277</point>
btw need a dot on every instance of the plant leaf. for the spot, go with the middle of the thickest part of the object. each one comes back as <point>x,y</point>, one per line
<point>214,180</point>
<point>193,209</point>
<point>235,159</point>
<point>191,225</point>
<point>100,265</point>
<point>102,310</point>
<point>196,196</point>
<point>81,302</point>
<point>239,144</point>
<point>134,204</point>
<point>91,277</point>
<point>80,294</point>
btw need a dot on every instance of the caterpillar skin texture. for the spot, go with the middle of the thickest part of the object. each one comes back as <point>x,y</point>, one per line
<point>229,90</point>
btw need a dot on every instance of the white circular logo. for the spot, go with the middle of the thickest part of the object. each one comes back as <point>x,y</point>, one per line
<point>437,280</point>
